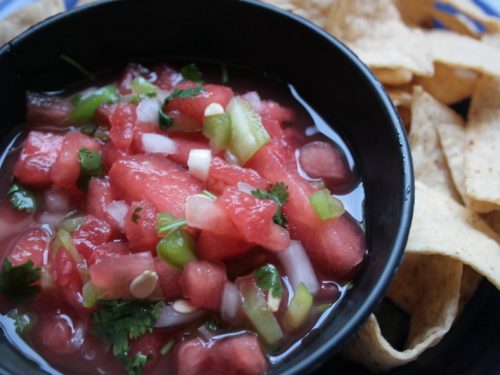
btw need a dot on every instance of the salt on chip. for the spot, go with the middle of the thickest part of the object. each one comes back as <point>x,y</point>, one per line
<point>472,10</point>
<point>433,312</point>
<point>21,20</point>
<point>462,51</point>
<point>449,85</point>
<point>429,162</point>
<point>373,29</point>
<point>482,155</point>
<point>393,76</point>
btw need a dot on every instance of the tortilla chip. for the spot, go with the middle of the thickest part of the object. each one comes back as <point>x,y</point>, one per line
<point>28,16</point>
<point>433,313</point>
<point>314,10</point>
<point>393,76</point>
<point>449,85</point>
<point>472,10</point>
<point>482,156</point>
<point>400,97</point>
<point>452,139</point>
<point>461,51</point>
<point>468,285</point>
<point>429,162</point>
<point>373,29</point>
<point>442,226</point>
<point>416,12</point>
<point>457,23</point>
<point>492,39</point>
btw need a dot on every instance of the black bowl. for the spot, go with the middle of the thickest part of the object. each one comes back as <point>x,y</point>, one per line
<point>244,33</point>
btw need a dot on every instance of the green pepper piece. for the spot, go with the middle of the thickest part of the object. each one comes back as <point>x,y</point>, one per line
<point>217,128</point>
<point>177,248</point>
<point>85,109</point>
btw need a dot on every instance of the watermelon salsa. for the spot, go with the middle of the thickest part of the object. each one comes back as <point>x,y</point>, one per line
<point>162,224</point>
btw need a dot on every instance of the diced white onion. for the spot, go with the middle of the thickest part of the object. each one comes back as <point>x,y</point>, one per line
<point>158,144</point>
<point>254,99</point>
<point>203,213</point>
<point>163,94</point>
<point>298,267</point>
<point>118,210</point>
<point>245,188</point>
<point>231,158</point>
<point>171,318</point>
<point>148,111</point>
<point>231,303</point>
<point>213,109</point>
<point>199,163</point>
<point>56,201</point>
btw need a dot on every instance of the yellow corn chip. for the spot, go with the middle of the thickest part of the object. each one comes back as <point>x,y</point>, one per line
<point>461,51</point>
<point>28,16</point>
<point>373,29</point>
<point>416,12</point>
<point>482,156</point>
<point>449,85</point>
<point>429,161</point>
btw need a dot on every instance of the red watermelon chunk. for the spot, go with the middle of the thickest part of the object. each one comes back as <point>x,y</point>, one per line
<point>133,70</point>
<point>98,197</point>
<point>218,247</point>
<point>66,169</point>
<point>154,179</point>
<point>169,277</point>
<point>167,77</point>
<point>222,174</point>
<point>31,245</point>
<point>252,216</point>
<point>203,283</point>
<point>192,357</point>
<point>38,156</point>
<point>112,276</point>
<point>195,107</point>
<point>273,127</point>
<point>122,122</point>
<point>321,160</point>
<point>140,227</point>
<point>273,111</point>
<point>150,345</point>
<point>240,355</point>
<point>336,246</point>
<point>103,114</point>
<point>186,143</point>
<point>44,110</point>
<point>107,250</point>
<point>111,153</point>
<point>92,233</point>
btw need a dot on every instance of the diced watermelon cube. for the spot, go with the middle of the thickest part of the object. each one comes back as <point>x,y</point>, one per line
<point>149,344</point>
<point>272,110</point>
<point>252,216</point>
<point>31,245</point>
<point>38,156</point>
<point>222,174</point>
<point>92,233</point>
<point>122,122</point>
<point>132,70</point>
<point>98,197</point>
<point>111,153</point>
<point>154,179</point>
<point>273,127</point>
<point>321,160</point>
<point>103,114</point>
<point>217,247</point>
<point>112,276</point>
<point>336,246</point>
<point>203,283</point>
<point>240,355</point>
<point>66,170</point>
<point>65,274</point>
<point>56,334</point>
<point>185,143</point>
<point>169,277</point>
<point>194,107</point>
<point>140,227</point>
<point>192,357</point>
<point>204,213</point>
<point>108,250</point>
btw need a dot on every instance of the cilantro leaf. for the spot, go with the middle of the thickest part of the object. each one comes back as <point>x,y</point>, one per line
<point>277,192</point>
<point>17,282</point>
<point>269,280</point>
<point>135,214</point>
<point>165,120</point>
<point>192,73</point>
<point>166,223</point>
<point>117,322</point>
<point>21,198</point>
<point>90,166</point>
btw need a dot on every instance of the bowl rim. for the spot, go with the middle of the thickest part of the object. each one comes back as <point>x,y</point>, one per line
<point>376,293</point>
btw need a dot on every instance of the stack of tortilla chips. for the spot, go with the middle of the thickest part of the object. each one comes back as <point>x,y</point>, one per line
<point>454,238</point>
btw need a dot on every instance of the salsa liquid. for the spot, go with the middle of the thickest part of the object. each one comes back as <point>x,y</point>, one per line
<point>50,316</point>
